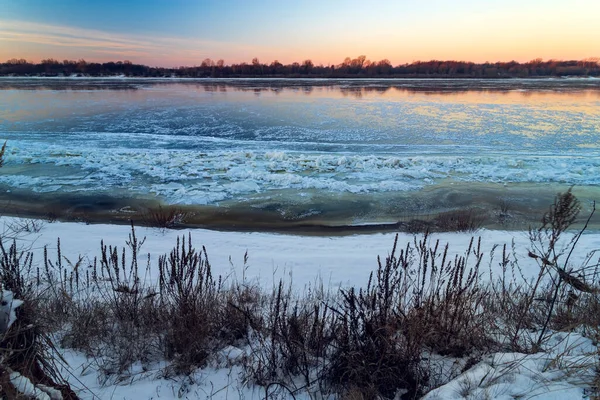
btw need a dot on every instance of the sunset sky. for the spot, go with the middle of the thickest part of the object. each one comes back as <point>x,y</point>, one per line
<point>179,32</point>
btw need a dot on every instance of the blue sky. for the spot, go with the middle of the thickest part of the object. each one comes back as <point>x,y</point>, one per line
<point>180,32</point>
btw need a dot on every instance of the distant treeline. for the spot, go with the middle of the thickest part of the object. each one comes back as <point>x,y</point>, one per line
<point>358,67</point>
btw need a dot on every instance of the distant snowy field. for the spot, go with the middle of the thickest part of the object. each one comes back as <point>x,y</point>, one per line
<point>304,260</point>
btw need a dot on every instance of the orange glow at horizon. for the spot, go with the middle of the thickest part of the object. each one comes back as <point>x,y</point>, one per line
<point>523,33</point>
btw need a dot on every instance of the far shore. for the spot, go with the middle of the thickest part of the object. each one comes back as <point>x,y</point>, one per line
<point>308,78</point>
<point>315,79</point>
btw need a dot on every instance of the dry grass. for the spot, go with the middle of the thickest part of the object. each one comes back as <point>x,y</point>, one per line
<point>463,220</point>
<point>166,217</point>
<point>360,342</point>
<point>26,346</point>
<point>469,220</point>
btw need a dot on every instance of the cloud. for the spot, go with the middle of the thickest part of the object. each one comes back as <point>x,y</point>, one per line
<point>91,42</point>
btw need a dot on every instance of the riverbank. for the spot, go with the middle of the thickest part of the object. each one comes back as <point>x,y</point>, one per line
<point>249,266</point>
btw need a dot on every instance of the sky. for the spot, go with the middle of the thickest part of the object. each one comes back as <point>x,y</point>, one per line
<point>172,33</point>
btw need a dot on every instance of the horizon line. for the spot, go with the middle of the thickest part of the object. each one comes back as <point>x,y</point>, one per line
<point>213,63</point>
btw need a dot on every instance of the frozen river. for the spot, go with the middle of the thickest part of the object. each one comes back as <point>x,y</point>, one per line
<point>326,151</point>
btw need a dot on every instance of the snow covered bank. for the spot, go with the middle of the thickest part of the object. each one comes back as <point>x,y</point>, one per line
<point>338,261</point>
<point>345,260</point>
<point>561,373</point>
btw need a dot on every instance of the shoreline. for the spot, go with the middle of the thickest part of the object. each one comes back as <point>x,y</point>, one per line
<point>444,208</point>
<point>305,259</point>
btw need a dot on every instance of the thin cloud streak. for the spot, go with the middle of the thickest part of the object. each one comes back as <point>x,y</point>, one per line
<point>63,34</point>
<point>95,41</point>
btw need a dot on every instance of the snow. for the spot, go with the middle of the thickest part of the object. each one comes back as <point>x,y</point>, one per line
<point>558,373</point>
<point>208,383</point>
<point>38,392</point>
<point>306,261</point>
<point>8,306</point>
<point>25,387</point>
<point>339,260</point>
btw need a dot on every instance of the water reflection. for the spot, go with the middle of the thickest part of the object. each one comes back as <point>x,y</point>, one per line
<point>485,112</point>
<point>64,85</point>
<point>345,88</point>
<point>466,92</point>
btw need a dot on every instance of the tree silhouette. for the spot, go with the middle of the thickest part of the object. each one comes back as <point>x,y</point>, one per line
<point>350,67</point>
